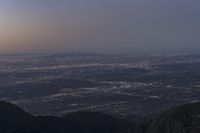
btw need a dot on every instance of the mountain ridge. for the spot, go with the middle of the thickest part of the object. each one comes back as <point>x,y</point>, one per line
<point>181,119</point>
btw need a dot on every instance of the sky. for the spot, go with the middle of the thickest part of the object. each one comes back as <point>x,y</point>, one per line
<point>107,26</point>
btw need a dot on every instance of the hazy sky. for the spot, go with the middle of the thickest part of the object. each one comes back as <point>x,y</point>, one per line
<point>99,25</point>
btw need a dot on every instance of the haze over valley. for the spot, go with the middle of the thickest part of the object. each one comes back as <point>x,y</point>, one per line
<point>99,66</point>
<point>123,86</point>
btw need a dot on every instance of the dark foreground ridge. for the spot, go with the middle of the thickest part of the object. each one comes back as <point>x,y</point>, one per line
<point>183,119</point>
<point>15,120</point>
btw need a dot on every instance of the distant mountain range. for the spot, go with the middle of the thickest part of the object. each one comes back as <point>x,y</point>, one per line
<point>75,54</point>
<point>65,53</point>
<point>183,119</point>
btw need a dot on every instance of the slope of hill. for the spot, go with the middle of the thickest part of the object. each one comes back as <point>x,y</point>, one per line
<point>15,120</point>
<point>182,119</point>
